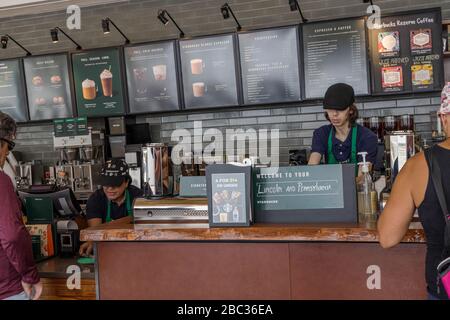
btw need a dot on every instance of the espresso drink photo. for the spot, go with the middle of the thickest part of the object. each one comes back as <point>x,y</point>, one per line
<point>107,87</point>
<point>197,66</point>
<point>89,90</point>
<point>198,89</point>
<point>160,72</point>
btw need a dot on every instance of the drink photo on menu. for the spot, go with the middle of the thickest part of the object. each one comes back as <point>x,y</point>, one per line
<point>98,82</point>
<point>152,77</point>
<point>209,72</point>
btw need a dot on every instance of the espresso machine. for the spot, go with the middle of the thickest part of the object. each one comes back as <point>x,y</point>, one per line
<point>81,158</point>
<point>28,174</point>
<point>159,204</point>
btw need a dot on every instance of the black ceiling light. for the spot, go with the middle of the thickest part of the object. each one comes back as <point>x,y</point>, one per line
<point>226,10</point>
<point>371,3</point>
<point>293,4</point>
<point>54,34</point>
<point>162,17</point>
<point>106,29</point>
<point>4,40</point>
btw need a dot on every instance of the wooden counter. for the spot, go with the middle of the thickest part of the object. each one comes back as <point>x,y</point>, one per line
<point>258,262</point>
<point>54,276</point>
<point>125,230</point>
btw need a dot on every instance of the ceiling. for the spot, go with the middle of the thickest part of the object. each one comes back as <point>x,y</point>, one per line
<point>10,8</point>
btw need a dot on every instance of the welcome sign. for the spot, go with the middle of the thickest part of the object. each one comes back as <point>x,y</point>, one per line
<point>305,194</point>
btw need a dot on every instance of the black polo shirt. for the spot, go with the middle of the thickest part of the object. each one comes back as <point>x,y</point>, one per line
<point>97,205</point>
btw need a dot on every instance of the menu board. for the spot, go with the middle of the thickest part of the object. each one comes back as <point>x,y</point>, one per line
<point>406,53</point>
<point>270,70</point>
<point>48,87</point>
<point>209,72</point>
<point>12,90</point>
<point>300,194</point>
<point>152,77</point>
<point>98,82</point>
<point>335,52</point>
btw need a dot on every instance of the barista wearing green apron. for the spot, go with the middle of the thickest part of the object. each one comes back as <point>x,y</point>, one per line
<point>342,139</point>
<point>113,201</point>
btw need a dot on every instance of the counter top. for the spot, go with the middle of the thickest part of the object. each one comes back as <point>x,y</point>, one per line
<point>56,267</point>
<point>124,230</point>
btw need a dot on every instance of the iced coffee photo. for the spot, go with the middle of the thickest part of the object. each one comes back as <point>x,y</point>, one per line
<point>197,66</point>
<point>89,89</point>
<point>160,72</point>
<point>107,87</point>
<point>199,89</point>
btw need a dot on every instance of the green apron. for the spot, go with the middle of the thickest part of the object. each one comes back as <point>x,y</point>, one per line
<point>353,157</point>
<point>127,203</point>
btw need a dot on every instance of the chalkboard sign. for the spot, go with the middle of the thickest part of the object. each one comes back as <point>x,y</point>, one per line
<point>270,68</point>
<point>48,87</point>
<point>152,77</point>
<point>406,53</point>
<point>299,194</point>
<point>209,72</point>
<point>335,51</point>
<point>98,82</point>
<point>12,90</point>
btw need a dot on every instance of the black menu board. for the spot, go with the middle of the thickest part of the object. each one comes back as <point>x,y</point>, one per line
<point>48,87</point>
<point>335,52</point>
<point>98,82</point>
<point>406,53</point>
<point>12,90</point>
<point>152,77</point>
<point>270,68</point>
<point>209,72</point>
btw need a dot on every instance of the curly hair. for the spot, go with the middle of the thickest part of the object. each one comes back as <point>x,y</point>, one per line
<point>353,115</point>
<point>8,126</point>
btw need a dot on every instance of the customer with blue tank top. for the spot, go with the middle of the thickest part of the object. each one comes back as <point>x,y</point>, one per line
<point>340,141</point>
<point>113,201</point>
<point>414,188</point>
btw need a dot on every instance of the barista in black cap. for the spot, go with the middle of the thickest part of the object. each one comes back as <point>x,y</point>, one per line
<point>340,141</point>
<point>114,200</point>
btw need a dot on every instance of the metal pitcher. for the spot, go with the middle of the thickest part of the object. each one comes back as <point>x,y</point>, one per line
<point>156,170</point>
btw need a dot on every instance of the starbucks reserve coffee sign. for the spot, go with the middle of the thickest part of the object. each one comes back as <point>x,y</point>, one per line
<point>323,193</point>
<point>48,87</point>
<point>12,90</point>
<point>406,53</point>
<point>98,82</point>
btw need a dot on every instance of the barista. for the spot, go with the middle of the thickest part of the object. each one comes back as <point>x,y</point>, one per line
<point>341,140</point>
<point>113,201</point>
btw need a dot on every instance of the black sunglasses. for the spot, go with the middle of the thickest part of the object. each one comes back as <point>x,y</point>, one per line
<point>11,144</point>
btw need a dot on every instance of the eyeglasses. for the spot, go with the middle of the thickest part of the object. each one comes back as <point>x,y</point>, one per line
<point>11,144</point>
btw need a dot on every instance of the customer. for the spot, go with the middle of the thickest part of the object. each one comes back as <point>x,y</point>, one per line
<point>19,279</point>
<point>413,188</point>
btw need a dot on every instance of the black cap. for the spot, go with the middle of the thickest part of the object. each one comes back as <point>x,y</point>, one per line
<point>339,96</point>
<point>114,172</point>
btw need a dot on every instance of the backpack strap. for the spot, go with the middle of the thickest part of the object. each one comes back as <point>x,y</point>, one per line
<point>436,177</point>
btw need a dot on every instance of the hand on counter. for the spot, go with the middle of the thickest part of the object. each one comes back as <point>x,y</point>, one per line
<point>86,249</point>
<point>33,291</point>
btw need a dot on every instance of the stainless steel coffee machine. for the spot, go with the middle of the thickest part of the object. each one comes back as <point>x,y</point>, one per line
<point>28,174</point>
<point>81,158</point>
<point>399,147</point>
